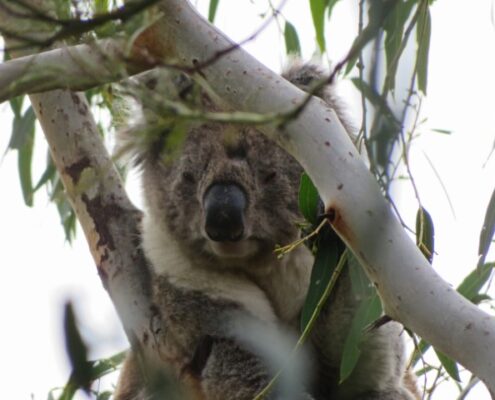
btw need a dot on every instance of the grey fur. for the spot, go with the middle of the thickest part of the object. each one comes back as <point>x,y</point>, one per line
<point>203,288</point>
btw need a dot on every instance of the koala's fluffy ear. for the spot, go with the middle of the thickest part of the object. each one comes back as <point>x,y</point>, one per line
<point>306,76</point>
<point>151,103</point>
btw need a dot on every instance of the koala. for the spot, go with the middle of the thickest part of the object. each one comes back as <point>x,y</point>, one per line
<point>214,212</point>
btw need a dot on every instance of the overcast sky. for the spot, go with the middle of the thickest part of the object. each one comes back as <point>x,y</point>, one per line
<point>40,271</point>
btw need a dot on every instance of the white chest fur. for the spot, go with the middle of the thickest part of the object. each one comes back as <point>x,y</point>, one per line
<point>275,292</point>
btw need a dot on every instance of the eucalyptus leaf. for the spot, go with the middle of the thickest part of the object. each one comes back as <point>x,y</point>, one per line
<point>212,10</point>
<point>326,259</point>
<point>376,100</point>
<point>22,129</point>
<point>423,33</point>
<point>377,13</point>
<point>331,5</point>
<point>16,105</point>
<point>474,282</point>
<point>292,44</point>
<point>22,140</point>
<point>368,311</point>
<point>77,350</point>
<point>487,231</point>
<point>394,29</point>
<point>449,365</point>
<point>425,233</point>
<point>24,160</point>
<point>47,176</point>
<point>308,199</point>
<point>318,13</point>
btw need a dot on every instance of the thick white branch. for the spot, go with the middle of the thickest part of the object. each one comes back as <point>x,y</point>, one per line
<point>94,188</point>
<point>412,292</point>
<point>77,68</point>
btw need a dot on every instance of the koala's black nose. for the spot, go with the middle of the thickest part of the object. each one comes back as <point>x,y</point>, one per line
<point>224,205</point>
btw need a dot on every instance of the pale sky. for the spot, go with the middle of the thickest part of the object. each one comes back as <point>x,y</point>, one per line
<point>40,271</point>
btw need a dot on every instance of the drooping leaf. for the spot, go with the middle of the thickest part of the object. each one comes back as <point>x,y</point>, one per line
<point>394,29</point>
<point>47,176</point>
<point>16,105</point>
<point>97,370</point>
<point>24,159</point>
<point>22,140</point>
<point>292,45</point>
<point>22,129</point>
<point>419,351</point>
<point>100,6</point>
<point>377,13</point>
<point>368,311</point>
<point>449,365</point>
<point>425,233</point>
<point>308,199</point>
<point>331,4</point>
<point>318,13</point>
<point>472,284</point>
<point>361,285</point>
<point>487,231</point>
<point>76,350</point>
<point>423,34</point>
<point>67,214</point>
<point>443,131</point>
<point>374,98</point>
<point>212,10</point>
<point>326,259</point>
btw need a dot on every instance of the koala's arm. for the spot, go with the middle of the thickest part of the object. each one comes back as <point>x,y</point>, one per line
<point>204,356</point>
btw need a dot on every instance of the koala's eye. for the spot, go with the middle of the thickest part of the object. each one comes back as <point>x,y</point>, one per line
<point>269,177</point>
<point>188,177</point>
<point>236,152</point>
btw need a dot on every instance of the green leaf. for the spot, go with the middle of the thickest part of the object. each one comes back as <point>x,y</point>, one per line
<point>292,45</point>
<point>76,350</point>
<point>368,311</point>
<point>22,129</point>
<point>487,231</point>
<point>425,233</point>
<point>24,159</point>
<point>421,349</point>
<point>361,285</point>
<point>308,199</point>
<point>331,4</point>
<point>394,29</point>
<point>376,100</point>
<point>22,140</point>
<point>472,284</point>
<point>326,259</point>
<point>443,131</point>
<point>377,13</point>
<point>423,33</point>
<point>47,176</point>
<point>449,365</point>
<point>101,6</point>
<point>318,13</point>
<point>16,105</point>
<point>212,10</point>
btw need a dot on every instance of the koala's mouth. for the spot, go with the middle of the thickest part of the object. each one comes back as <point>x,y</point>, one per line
<point>233,250</point>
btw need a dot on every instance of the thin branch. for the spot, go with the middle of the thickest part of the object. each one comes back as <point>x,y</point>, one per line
<point>70,27</point>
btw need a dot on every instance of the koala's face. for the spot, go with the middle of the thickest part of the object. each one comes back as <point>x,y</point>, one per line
<point>229,197</point>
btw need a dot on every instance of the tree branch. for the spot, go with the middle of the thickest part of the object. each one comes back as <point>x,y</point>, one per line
<point>110,222</point>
